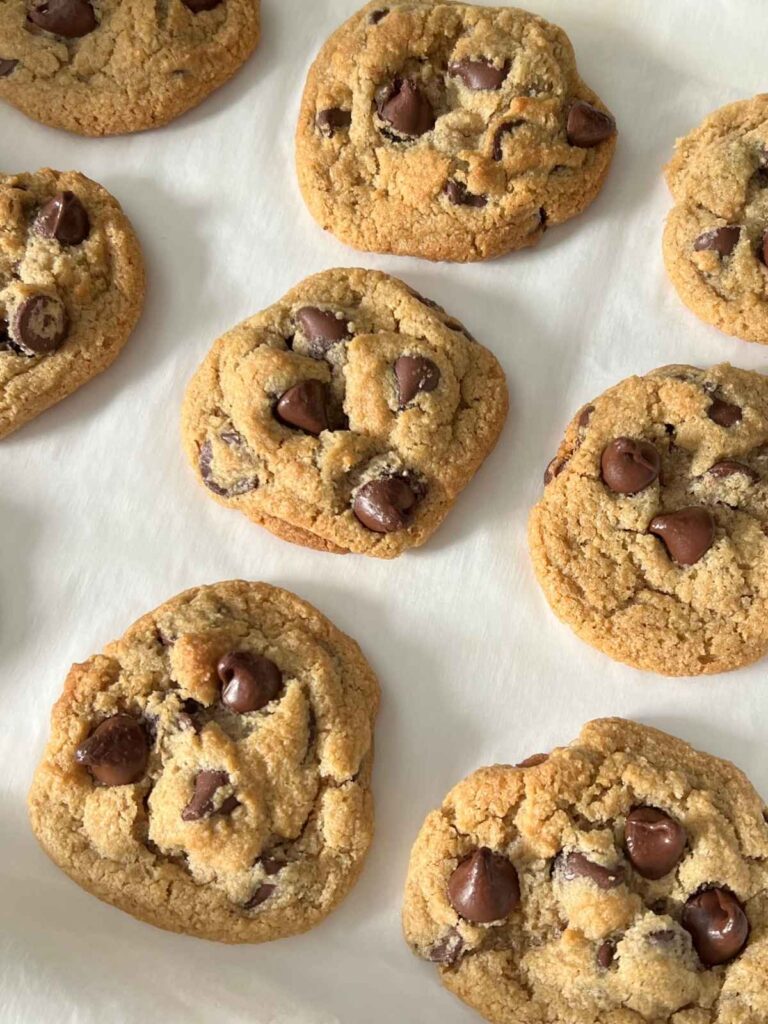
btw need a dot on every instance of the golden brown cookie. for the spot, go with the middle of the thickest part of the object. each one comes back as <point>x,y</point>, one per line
<point>448,131</point>
<point>103,67</point>
<point>209,773</point>
<point>620,880</point>
<point>346,417</point>
<point>716,238</point>
<point>650,538</point>
<point>71,288</point>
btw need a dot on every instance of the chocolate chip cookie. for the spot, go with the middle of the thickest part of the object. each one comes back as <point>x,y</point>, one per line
<point>716,238</point>
<point>209,773</point>
<point>448,131</point>
<point>346,417</point>
<point>650,539</point>
<point>103,67</point>
<point>620,880</point>
<point>71,288</point>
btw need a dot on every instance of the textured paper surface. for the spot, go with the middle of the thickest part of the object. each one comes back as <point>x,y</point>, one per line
<point>101,520</point>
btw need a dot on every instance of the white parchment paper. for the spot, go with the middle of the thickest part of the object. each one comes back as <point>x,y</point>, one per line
<point>101,520</point>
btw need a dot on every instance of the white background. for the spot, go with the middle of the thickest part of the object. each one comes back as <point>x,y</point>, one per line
<point>101,519</point>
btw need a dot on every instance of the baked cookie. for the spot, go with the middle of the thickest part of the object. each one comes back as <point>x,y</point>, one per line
<point>650,538</point>
<point>103,67</point>
<point>716,238</point>
<point>620,880</point>
<point>448,131</point>
<point>346,417</point>
<point>71,288</point>
<point>209,773</point>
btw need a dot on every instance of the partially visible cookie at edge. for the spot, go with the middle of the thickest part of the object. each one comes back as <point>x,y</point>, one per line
<point>448,131</point>
<point>346,417</point>
<point>71,288</point>
<point>209,772</point>
<point>104,67</point>
<point>622,879</point>
<point>650,539</point>
<point>716,236</point>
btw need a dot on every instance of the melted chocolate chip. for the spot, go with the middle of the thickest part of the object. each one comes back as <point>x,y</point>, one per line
<point>201,804</point>
<point>585,416</point>
<point>554,468</point>
<point>322,328</point>
<point>588,127</point>
<point>40,325</point>
<point>687,534</point>
<point>376,16</point>
<point>628,465</point>
<point>448,950</point>
<point>385,505</point>
<point>479,74</point>
<point>724,414</point>
<point>721,240</point>
<point>68,18</point>
<point>7,66</point>
<point>498,139</point>
<point>404,106</point>
<point>484,887</point>
<point>414,374</point>
<point>196,6</point>
<point>64,218</point>
<point>722,470</point>
<point>532,761</point>
<point>654,841</point>
<point>205,463</point>
<point>332,120</point>
<point>606,954</point>
<point>458,195</point>
<point>304,406</point>
<point>116,752</point>
<point>575,865</point>
<point>249,681</point>
<point>717,924</point>
<point>261,895</point>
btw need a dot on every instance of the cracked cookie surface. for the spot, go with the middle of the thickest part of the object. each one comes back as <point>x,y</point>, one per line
<point>209,772</point>
<point>104,67</point>
<point>650,538</point>
<point>346,417</point>
<point>71,288</point>
<point>448,131</point>
<point>716,237</point>
<point>618,880</point>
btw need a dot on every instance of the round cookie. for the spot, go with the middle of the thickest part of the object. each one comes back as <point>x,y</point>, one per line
<point>620,880</point>
<point>209,773</point>
<point>71,288</point>
<point>650,538</point>
<point>104,67</point>
<point>346,417</point>
<point>716,237</point>
<point>448,131</point>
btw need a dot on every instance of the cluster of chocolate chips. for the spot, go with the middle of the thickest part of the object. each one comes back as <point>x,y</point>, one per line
<point>40,325</point>
<point>73,19</point>
<point>485,888</point>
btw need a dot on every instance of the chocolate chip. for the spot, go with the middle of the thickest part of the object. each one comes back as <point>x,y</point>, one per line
<point>576,865</point>
<point>69,18</point>
<point>587,127</point>
<point>261,895</point>
<point>722,240</point>
<point>40,325</point>
<point>201,804</point>
<point>628,466</point>
<point>717,924</point>
<point>384,505</point>
<point>322,328</point>
<point>663,938</point>
<point>249,681</point>
<point>724,414</point>
<point>64,218</point>
<point>726,468</point>
<point>606,954</point>
<point>116,752</point>
<point>447,950</point>
<point>205,462</point>
<point>232,437</point>
<point>403,105</point>
<point>332,120</point>
<point>270,866</point>
<point>764,240</point>
<point>585,416</point>
<point>6,344</point>
<point>196,6</point>
<point>554,468</point>
<point>414,374</point>
<point>479,74</point>
<point>376,16</point>
<point>498,138</point>
<point>654,841</point>
<point>532,761</point>
<point>304,406</point>
<point>6,67</point>
<point>458,195</point>
<point>484,887</point>
<point>687,533</point>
